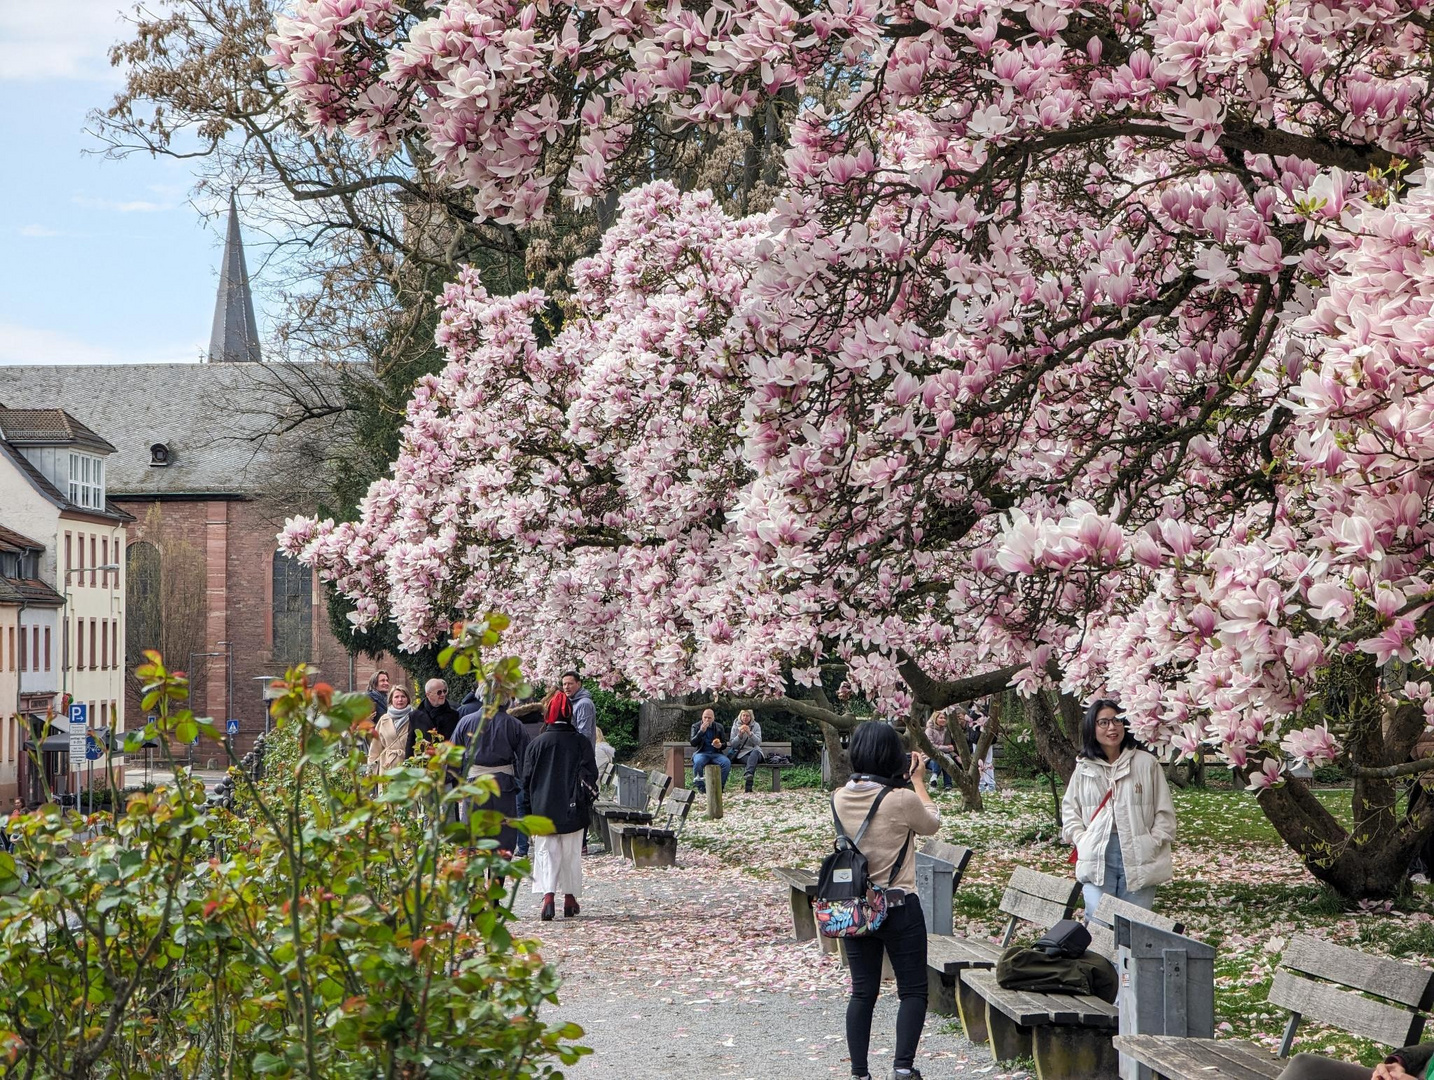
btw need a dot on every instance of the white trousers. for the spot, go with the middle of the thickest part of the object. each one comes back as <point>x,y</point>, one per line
<point>558,864</point>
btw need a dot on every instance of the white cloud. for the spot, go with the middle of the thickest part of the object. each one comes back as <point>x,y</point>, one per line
<point>132,206</point>
<point>40,345</point>
<point>37,230</point>
<point>66,40</point>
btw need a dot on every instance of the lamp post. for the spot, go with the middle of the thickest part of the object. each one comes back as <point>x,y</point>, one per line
<point>264,681</point>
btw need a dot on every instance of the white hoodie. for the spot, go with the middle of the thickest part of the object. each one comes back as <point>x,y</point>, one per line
<point>1141,810</point>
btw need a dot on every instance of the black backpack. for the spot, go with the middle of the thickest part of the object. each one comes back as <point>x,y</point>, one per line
<point>847,903</point>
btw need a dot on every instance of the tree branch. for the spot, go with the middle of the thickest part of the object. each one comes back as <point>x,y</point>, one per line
<point>941,693</point>
<point>838,720</point>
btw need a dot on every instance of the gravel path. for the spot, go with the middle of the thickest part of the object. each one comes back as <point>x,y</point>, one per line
<point>693,971</point>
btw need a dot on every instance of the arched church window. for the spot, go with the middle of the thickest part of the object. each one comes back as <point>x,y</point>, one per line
<point>293,610</point>
<point>143,605</point>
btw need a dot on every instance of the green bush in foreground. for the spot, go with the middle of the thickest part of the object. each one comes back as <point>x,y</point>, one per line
<point>336,924</point>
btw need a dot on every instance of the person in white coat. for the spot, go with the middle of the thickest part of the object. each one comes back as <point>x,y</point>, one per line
<point>1117,813</point>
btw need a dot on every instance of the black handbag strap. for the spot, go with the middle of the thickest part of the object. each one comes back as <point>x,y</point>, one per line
<point>900,858</point>
<point>855,841</point>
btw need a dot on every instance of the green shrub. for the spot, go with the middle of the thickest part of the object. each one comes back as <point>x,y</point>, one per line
<point>335,924</point>
<point>617,716</point>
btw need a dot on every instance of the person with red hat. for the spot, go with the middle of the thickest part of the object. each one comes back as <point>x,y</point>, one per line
<point>560,775</point>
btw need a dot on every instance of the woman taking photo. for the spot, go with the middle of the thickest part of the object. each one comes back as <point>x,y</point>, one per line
<point>392,736</point>
<point>1117,813</point>
<point>880,763</point>
<point>559,773</point>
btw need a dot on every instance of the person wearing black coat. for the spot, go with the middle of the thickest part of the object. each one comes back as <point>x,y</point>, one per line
<point>560,774</point>
<point>493,747</point>
<point>434,718</point>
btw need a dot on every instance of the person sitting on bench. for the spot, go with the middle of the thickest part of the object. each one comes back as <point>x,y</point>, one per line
<point>745,747</point>
<point>1411,1063</point>
<point>709,738</point>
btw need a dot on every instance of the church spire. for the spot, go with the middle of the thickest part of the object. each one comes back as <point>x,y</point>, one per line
<point>235,337</point>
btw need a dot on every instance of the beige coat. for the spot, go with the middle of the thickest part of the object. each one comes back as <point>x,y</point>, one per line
<point>386,750</point>
<point>1141,810</point>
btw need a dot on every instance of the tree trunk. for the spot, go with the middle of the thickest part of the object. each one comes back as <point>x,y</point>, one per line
<point>1052,741</point>
<point>1371,864</point>
<point>966,773</point>
<point>840,766</point>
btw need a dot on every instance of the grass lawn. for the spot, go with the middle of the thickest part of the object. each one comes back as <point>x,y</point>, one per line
<point>1236,885</point>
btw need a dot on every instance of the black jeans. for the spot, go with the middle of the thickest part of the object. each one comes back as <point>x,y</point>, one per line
<point>902,937</point>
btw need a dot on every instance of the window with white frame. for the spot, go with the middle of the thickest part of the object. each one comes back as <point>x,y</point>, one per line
<point>87,481</point>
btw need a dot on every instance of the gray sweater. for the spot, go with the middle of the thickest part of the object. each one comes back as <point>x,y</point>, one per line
<point>739,745</point>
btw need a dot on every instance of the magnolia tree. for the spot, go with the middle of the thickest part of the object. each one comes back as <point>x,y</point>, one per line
<point>1064,358</point>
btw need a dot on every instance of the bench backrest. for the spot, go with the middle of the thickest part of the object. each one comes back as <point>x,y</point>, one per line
<point>955,854</point>
<point>1042,899</point>
<point>1102,937</point>
<point>768,748</point>
<point>1369,996</point>
<point>657,784</point>
<point>607,776</point>
<point>675,807</point>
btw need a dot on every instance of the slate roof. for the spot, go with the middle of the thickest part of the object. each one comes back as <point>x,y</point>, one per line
<point>48,427</point>
<point>13,542</point>
<point>211,417</point>
<point>29,592</point>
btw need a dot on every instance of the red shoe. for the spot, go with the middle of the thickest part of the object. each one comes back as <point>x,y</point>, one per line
<point>570,906</point>
<point>547,915</point>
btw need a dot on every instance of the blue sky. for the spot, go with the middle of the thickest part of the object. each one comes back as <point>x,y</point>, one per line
<point>101,261</point>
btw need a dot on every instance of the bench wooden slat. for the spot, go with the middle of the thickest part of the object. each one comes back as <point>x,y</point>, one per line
<point>1058,890</point>
<point>1391,979</point>
<point>1102,937</point>
<point>1199,1059</point>
<point>1392,1025</point>
<point>951,955</point>
<point>797,878</point>
<point>1042,899</point>
<point>1034,1009</point>
<point>768,748</point>
<point>955,854</point>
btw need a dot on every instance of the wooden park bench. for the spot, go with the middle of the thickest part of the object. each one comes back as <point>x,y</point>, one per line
<point>678,755</point>
<point>654,843</point>
<point>1039,899</point>
<point>1382,1000</point>
<point>939,867</point>
<point>649,792</point>
<point>1068,1035</point>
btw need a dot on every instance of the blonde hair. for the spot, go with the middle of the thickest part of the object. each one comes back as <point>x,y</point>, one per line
<point>747,713</point>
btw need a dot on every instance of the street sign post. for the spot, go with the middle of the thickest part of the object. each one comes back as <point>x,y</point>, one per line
<point>79,739</point>
<point>79,732</point>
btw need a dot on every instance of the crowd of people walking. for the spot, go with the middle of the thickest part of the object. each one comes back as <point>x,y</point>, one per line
<point>548,768</point>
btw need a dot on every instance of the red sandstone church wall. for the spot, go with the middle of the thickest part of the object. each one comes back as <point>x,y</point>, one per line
<point>236,538</point>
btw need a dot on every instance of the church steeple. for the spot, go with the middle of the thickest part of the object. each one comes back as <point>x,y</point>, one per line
<point>235,337</point>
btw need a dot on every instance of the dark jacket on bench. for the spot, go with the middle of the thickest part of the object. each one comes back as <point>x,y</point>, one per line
<point>702,740</point>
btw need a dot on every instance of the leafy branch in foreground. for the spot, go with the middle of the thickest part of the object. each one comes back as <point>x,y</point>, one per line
<point>336,923</point>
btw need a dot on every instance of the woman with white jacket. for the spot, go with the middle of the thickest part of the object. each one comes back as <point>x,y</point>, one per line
<point>1117,813</point>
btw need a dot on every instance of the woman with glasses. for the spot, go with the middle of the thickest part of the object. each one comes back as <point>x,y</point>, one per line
<point>1117,813</point>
